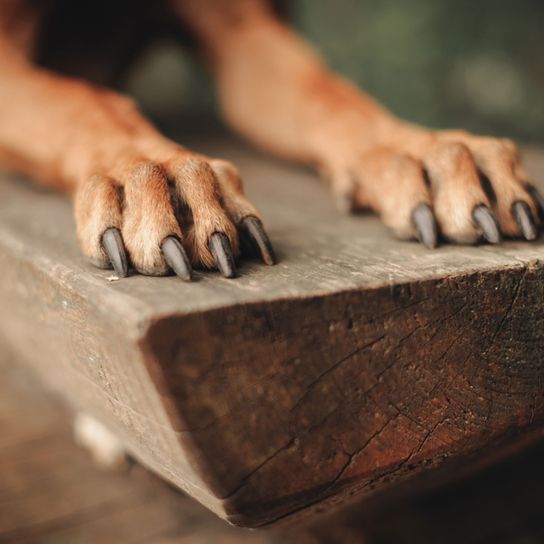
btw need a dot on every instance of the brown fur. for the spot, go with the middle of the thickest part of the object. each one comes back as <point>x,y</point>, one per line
<point>275,90</point>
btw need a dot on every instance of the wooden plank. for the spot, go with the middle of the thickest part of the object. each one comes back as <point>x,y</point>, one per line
<point>356,363</point>
<point>52,493</point>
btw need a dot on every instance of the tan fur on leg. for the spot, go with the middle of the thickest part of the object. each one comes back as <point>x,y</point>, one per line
<point>123,173</point>
<point>275,90</point>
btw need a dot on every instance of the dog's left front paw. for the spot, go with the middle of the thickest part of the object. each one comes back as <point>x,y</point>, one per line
<point>424,183</point>
<point>461,186</point>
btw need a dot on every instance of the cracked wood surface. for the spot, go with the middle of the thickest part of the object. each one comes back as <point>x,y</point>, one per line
<point>53,493</point>
<point>356,363</point>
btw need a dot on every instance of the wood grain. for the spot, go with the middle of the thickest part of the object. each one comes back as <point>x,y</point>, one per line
<point>52,493</point>
<point>356,363</point>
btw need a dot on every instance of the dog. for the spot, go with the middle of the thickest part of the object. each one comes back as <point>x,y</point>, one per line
<point>141,199</point>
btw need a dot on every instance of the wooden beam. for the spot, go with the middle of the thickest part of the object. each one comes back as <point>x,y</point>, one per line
<point>52,492</point>
<point>356,363</point>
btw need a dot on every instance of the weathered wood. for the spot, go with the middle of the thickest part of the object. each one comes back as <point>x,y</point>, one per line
<point>52,493</point>
<point>356,363</point>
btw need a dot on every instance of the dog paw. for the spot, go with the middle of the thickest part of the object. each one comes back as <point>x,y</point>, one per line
<point>171,211</point>
<point>422,184</point>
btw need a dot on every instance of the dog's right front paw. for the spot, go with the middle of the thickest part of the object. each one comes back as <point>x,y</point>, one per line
<point>174,213</point>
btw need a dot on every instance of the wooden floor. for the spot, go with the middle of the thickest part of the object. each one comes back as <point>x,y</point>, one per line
<point>51,493</point>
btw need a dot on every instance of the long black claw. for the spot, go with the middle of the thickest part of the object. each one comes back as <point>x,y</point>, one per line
<point>222,253</point>
<point>484,218</point>
<point>524,218</point>
<point>425,223</point>
<point>257,233</point>
<point>176,258</point>
<point>115,250</point>
<point>538,198</point>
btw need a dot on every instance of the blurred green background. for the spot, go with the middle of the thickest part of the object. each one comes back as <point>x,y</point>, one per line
<point>475,64</point>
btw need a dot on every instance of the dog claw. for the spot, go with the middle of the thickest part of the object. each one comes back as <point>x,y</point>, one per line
<point>484,218</point>
<point>176,258</point>
<point>258,235</point>
<point>222,253</point>
<point>538,198</point>
<point>425,225</point>
<point>112,244</point>
<point>524,218</point>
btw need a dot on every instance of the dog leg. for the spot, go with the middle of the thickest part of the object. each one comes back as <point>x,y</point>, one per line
<point>276,91</point>
<point>139,197</point>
